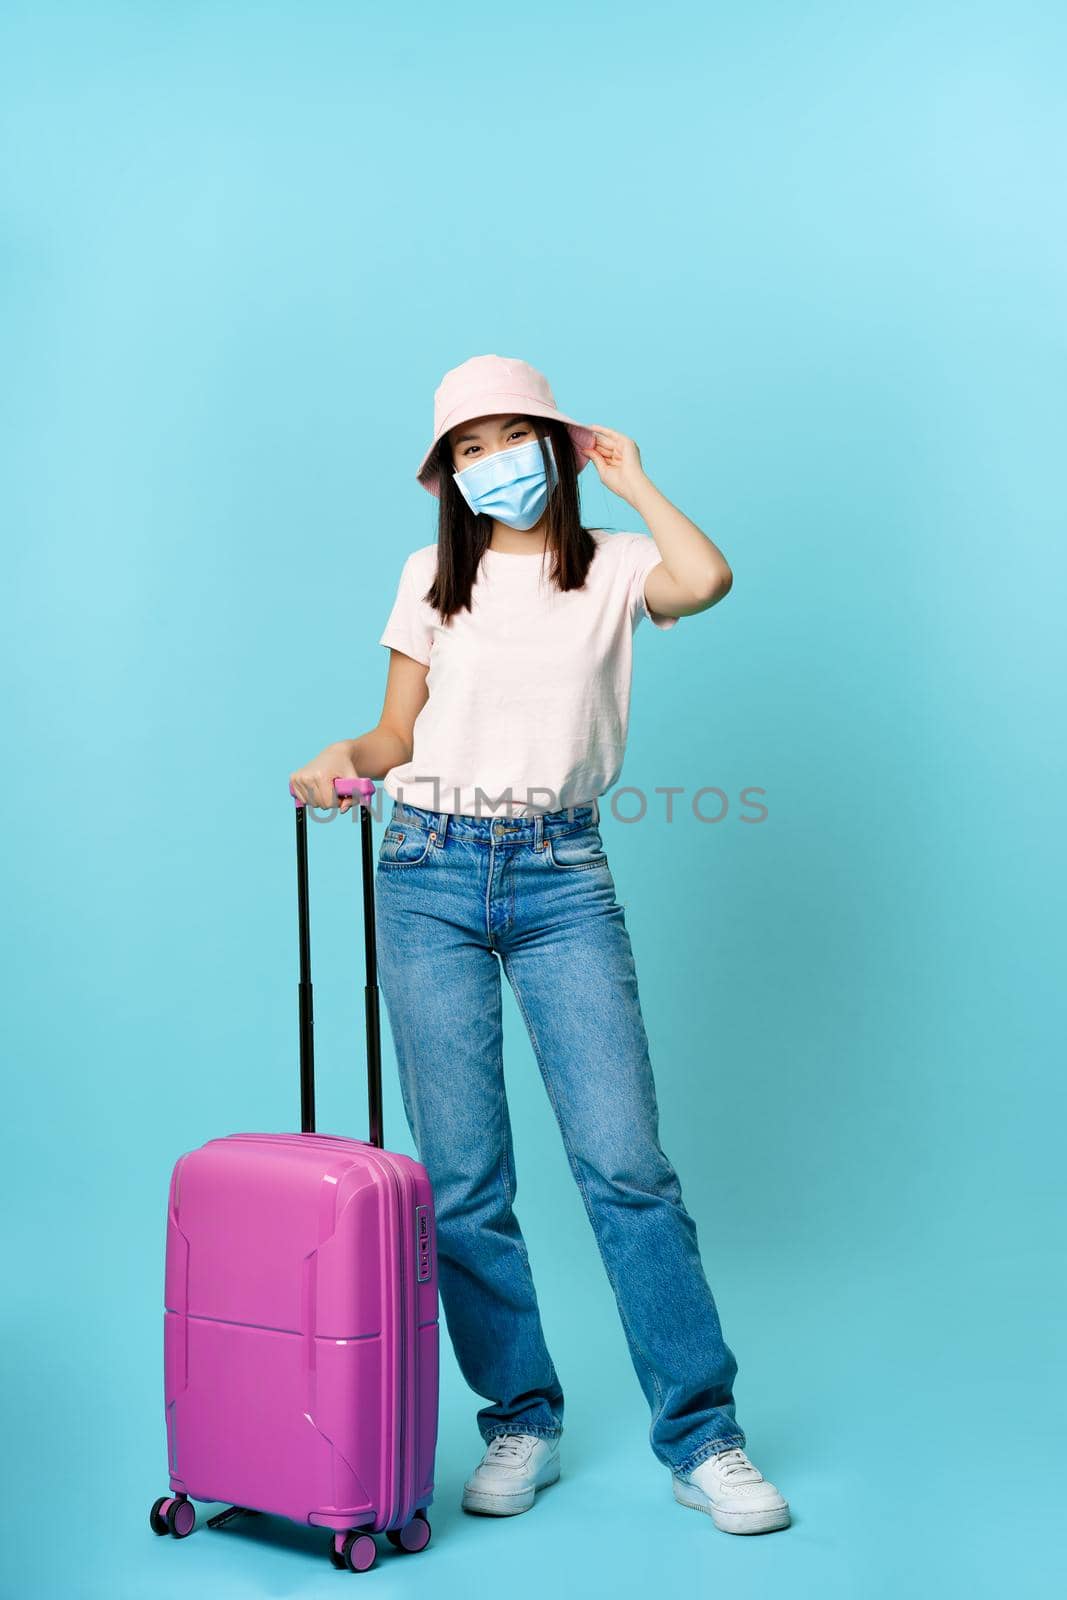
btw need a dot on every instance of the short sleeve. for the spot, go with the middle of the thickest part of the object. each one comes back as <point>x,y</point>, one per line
<point>641,557</point>
<point>410,626</point>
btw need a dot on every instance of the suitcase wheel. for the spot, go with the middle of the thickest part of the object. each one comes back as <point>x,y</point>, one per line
<point>353,1552</point>
<point>414,1535</point>
<point>181,1518</point>
<point>173,1515</point>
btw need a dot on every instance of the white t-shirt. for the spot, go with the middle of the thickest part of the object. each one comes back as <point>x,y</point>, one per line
<point>529,690</point>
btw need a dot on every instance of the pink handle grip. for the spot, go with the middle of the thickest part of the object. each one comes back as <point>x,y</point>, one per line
<point>346,788</point>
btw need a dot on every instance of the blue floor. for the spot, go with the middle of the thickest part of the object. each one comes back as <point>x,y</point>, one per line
<point>902,1472</point>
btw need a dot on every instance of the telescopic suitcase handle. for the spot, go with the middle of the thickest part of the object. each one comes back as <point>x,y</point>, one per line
<point>346,788</point>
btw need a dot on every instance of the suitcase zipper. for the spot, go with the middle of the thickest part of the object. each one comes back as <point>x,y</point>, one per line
<point>399,1440</point>
<point>400,1432</point>
<point>404,1262</point>
<point>402,1386</point>
<point>396,1184</point>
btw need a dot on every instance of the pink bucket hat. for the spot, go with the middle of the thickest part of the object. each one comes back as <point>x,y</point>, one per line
<point>485,386</point>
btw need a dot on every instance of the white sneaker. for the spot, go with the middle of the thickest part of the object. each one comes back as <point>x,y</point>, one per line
<point>514,1467</point>
<point>734,1493</point>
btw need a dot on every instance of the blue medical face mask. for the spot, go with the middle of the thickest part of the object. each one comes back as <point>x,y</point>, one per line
<point>510,485</point>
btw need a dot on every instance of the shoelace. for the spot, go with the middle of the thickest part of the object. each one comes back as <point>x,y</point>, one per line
<point>735,1467</point>
<point>509,1445</point>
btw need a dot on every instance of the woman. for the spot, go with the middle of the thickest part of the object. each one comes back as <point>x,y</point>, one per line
<point>505,718</point>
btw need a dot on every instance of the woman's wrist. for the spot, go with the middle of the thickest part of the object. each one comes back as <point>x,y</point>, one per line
<point>345,748</point>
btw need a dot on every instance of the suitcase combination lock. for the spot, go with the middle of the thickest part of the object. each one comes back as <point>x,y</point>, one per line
<point>422,1238</point>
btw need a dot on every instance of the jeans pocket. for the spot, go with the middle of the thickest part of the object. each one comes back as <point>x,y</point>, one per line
<point>405,845</point>
<point>576,851</point>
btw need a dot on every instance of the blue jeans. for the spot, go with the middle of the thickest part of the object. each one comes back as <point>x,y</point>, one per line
<point>458,897</point>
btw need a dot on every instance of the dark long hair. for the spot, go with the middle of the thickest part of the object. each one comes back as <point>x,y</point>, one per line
<point>463,536</point>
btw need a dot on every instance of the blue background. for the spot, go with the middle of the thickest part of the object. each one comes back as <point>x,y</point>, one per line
<point>811,257</point>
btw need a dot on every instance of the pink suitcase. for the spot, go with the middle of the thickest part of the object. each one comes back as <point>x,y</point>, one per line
<point>301,1318</point>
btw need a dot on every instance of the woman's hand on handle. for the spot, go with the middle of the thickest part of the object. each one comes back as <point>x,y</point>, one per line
<point>314,783</point>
